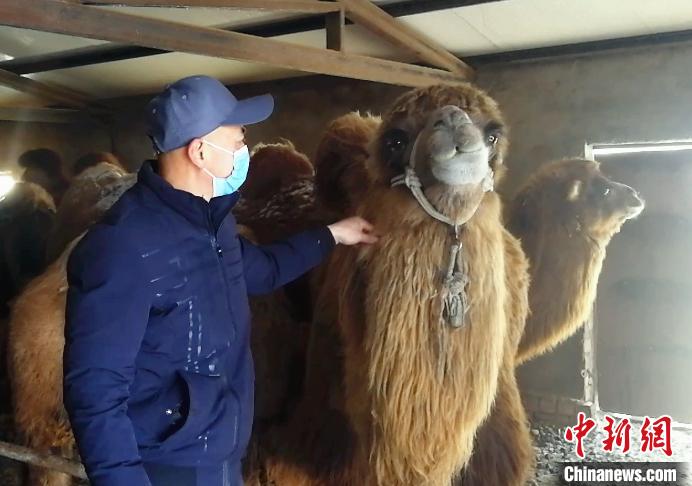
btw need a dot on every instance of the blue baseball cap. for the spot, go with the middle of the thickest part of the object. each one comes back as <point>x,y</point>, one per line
<point>197,105</point>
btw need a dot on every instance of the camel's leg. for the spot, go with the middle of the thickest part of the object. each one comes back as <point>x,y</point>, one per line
<point>503,452</point>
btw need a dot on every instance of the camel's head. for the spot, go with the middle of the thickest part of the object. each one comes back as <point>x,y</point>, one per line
<point>576,195</point>
<point>453,136</point>
<point>340,160</point>
<point>273,167</point>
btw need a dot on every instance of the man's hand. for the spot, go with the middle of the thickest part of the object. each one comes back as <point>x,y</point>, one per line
<point>351,231</point>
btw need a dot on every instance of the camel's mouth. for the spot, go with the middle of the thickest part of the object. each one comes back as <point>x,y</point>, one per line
<point>465,167</point>
<point>633,212</point>
<point>454,152</point>
<point>635,204</point>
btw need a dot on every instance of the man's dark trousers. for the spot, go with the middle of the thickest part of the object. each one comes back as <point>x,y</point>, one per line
<point>227,474</point>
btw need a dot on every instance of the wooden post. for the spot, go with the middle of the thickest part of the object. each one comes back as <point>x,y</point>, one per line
<point>335,23</point>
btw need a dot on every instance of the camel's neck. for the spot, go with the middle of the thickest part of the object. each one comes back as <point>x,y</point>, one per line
<point>565,267</point>
<point>421,423</point>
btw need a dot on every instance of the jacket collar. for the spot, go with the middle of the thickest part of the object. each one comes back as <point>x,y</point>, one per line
<point>193,208</point>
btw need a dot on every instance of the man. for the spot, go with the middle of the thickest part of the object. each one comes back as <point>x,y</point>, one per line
<point>159,377</point>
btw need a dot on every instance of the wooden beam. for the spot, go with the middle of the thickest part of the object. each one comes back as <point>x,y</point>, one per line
<point>49,461</point>
<point>92,22</point>
<point>373,18</point>
<point>50,93</point>
<point>47,115</point>
<point>335,24</point>
<point>304,6</point>
<point>99,54</point>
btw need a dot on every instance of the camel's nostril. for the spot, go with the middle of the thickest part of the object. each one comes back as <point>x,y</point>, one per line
<point>439,124</point>
<point>460,117</point>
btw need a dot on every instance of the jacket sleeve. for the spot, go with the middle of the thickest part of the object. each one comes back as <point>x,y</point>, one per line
<point>268,267</point>
<point>107,312</point>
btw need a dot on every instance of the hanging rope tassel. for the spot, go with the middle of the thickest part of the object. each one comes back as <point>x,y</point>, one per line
<point>454,299</point>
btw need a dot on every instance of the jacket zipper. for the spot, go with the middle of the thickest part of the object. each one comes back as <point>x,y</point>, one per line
<point>219,258</point>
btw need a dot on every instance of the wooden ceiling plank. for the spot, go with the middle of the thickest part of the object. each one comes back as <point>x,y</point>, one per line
<point>46,115</point>
<point>373,18</point>
<point>303,6</point>
<point>44,91</point>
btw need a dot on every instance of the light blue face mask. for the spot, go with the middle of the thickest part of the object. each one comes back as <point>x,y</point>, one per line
<point>241,164</point>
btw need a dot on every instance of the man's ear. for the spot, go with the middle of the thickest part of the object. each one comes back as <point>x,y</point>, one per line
<point>195,151</point>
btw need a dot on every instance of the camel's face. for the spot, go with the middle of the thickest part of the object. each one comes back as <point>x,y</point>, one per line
<point>453,136</point>
<point>598,203</point>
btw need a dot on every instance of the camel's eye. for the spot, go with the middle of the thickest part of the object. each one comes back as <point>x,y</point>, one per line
<point>493,132</point>
<point>395,141</point>
<point>394,145</point>
<point>603,189</point>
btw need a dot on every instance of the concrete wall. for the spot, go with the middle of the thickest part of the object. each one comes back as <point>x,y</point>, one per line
<point>71,141</point>
<point>644,309</point>
<point>556,106</point>
<point>303,106</point>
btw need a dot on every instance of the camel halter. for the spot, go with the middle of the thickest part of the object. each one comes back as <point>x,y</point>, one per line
<point>455,303</point>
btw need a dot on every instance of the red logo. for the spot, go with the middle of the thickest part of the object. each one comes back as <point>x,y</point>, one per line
<point>620,435</point>
<point>659,438</point>
<point>580,431</point>
<point>654,434</point>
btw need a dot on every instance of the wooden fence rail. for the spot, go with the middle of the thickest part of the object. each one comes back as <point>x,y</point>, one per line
<point>49,461</point>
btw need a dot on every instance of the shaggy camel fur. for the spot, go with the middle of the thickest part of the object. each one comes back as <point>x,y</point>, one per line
<point>341,178</point>
<point>27,215</point>
<point>93,159</point>
<point>274,166</point>
<point>414,390</point>
<point>90,194</point>
<point>36,342</point>
<point>565,216</point>
<point>44,167</point>
<point>503,452</point>
<point>283,202</point>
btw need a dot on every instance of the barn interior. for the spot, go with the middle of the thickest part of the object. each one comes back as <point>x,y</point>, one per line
<point>590,79</point>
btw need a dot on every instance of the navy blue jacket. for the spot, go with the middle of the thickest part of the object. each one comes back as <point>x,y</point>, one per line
<point>157,362</point>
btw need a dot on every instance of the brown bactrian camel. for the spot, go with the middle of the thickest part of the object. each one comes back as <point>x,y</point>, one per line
<point>341,177</point>
<point>274,166</point>
<point>503,453</point>
<point>565,216</point>
<point>89,195</point>
<point>27,215</point>
<point>410,336</point>
<point>92,159</point>
<point>35,346</point>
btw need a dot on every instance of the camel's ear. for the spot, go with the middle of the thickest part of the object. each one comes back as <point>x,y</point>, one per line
<point>575,188</point>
